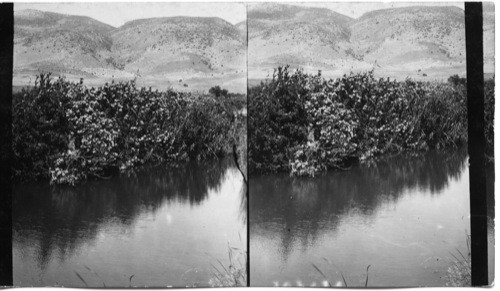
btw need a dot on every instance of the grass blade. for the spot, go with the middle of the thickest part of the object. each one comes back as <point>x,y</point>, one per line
<point>461,254</point>
<point>224,268</point>
<point>322,274</point>
<point>130,280</point>
<point>458,261</point>
<point>366,283</point>
<point>81,279</point>
<point>97,275</point>
<point>345,282</point>
<point>332,264</point>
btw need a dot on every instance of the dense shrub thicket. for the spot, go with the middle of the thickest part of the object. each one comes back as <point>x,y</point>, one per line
<point>68,132</point>
<point>489,115</point>
<point>306,124</point>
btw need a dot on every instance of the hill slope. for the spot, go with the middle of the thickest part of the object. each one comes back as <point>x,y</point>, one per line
<point>419,41</point>
<point>489,36</point>
<point>299,36</point>
<point>197,53</point>
<point>161,52</point>
<point>162,46</point>
<point>412,40</point>
<point>45,41</point>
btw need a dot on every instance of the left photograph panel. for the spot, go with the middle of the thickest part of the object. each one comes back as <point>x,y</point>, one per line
<point>129,145</point>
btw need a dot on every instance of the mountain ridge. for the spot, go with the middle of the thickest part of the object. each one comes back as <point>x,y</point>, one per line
<point>162,52</point>
<point>422,42</point>
<point>179,51</point>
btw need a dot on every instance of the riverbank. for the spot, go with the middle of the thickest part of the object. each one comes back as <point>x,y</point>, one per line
<point>67,132</point>
<point>305,124</point>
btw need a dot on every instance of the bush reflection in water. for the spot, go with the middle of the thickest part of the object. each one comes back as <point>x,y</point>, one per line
<point>60,219</point>
<point>296,215</point>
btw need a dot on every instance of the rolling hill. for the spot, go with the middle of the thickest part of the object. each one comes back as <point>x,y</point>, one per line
<point>45,41</point>
<point>298,36</point>
<point>489,36</point>
<point>189,53</point>
<point>196,53</point>
<point>419,42</point>
<point>162,46</point>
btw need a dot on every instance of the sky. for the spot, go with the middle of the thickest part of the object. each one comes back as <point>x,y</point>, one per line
<point>118,13</point>
<point>356,9</point>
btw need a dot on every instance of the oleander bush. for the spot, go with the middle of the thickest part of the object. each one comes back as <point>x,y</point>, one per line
<point>306,124</point>
<point>68,132</point>
<point>489,115</point>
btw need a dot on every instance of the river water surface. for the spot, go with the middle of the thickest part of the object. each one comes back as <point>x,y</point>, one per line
<point>164,227</point>
<point>404,216</point>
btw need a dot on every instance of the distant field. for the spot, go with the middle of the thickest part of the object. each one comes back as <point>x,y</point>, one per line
<point>252,82</point>
<point>237,86</point>
<point>16,89</point>
<point>489,76</point>
<point>234,83</point>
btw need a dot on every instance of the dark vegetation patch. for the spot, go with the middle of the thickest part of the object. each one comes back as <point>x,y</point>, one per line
<point>306,124</point>
<point>68,132</point>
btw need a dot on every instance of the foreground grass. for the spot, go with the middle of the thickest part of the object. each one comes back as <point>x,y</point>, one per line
<point>232,275</point>
<point>459,273</point>
<point>338,283</point>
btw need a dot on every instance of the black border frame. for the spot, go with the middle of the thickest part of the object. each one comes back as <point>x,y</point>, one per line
<point>476,144</point>
<point>6,62</point>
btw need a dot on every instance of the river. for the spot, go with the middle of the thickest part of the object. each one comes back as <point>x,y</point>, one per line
<point>158,227</point>
<point>404,216</point>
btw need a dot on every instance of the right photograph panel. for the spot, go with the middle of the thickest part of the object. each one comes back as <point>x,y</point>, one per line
<point>357,143</point>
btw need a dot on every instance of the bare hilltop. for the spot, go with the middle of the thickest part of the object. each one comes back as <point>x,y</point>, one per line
<point>419,42</point>
<point>196,53</point>
<point>188,53</point>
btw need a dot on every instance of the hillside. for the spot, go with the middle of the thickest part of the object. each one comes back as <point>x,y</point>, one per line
<point>45,41</point>
<point>162,46</point>
<point>489,36</point>
<point>196,53</point>
<point>412,40</point>
<point>299,36</point>
<point>189,53</point>
<point>242,29</point>
<point>419,42</point>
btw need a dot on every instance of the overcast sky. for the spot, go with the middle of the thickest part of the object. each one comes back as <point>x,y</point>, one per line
<point>117,14</point>
<point>356,9</point>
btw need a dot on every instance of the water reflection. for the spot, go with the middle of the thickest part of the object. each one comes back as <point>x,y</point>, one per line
<point>62,223</point>
<point>490,191</point>
<point>295,216</point>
